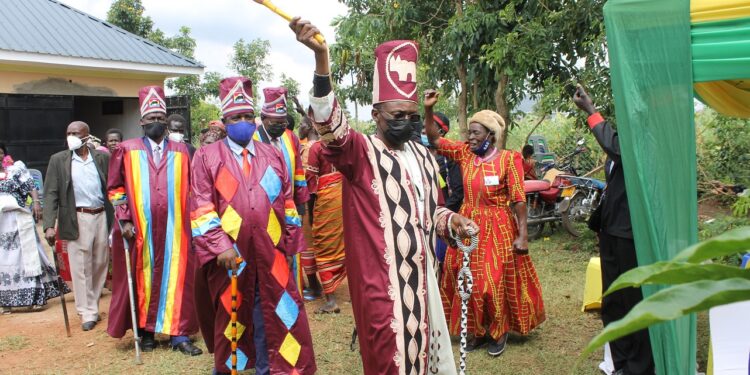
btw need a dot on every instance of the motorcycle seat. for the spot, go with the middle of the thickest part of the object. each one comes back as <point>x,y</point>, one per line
<point>549,195</point>
<point>533,186</point>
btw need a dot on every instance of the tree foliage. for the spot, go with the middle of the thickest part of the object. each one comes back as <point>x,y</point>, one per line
<point>128,15</point>
<point>249,60</point>
<point>483,54</point>
<point>290,84</point>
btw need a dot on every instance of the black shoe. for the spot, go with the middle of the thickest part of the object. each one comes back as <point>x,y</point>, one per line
<point>88,326</point>
<point>497,347</point>
<point>148,344</point>
<point>477,343</point>
<point>188,348</point>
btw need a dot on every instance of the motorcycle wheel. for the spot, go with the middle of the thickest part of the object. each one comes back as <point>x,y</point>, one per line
<point>575,218</point>
<point>534,231</point>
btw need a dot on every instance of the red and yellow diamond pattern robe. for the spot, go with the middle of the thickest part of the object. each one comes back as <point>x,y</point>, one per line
<point>251,216</point>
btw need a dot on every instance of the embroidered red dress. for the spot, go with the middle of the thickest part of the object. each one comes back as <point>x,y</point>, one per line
<point>506,295</point>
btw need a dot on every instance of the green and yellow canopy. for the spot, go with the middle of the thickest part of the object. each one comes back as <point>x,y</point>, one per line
<point>720,31</point>
<point>663,54</point>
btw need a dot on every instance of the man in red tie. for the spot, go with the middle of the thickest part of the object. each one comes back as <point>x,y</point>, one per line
<point>241,191</point>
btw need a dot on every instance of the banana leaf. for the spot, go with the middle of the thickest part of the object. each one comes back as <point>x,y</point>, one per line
<point>731,242</point>
<point>672,303</point>
<point>672,273</point>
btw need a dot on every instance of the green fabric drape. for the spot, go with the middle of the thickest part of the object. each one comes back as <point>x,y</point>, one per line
<point>650,56</point>
<point>721,50</point>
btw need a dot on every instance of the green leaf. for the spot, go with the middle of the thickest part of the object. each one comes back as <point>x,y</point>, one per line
<point>729,243</point>
<point>675,273</point>
<point>672,303</point>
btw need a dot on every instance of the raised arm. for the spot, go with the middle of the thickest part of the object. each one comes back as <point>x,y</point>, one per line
<point>343,146</point>
<point>603,131</point>
<point>430,128</point>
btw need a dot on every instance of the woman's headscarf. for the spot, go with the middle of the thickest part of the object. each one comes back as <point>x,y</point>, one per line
<point>493,122</point>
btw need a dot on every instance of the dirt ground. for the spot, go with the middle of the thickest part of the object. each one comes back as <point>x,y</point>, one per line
<point>36,343</point>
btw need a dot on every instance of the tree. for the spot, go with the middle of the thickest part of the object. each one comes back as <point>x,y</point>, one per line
<point>210,85</point>
<point>487,54</point>
<point>128,15</point>
<point>290,84</point>
<point>200,115</point>
<point>249,60</point>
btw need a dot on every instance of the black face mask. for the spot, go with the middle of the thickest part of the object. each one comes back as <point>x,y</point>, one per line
<point>155,130</point>
<point>416,132</point>
<point>400,131</point>
<point>275,130</point>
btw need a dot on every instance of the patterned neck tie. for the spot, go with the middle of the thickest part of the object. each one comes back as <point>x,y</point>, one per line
<point>157,154</point>
<point>245,164</point>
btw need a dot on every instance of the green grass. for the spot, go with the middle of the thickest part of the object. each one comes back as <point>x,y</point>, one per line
<point>10,343</point>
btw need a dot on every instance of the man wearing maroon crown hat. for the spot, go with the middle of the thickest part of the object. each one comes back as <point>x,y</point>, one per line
<point>242,192</point>
<point>390,199</point>
<point>274,131</point>
<point>149,183</point>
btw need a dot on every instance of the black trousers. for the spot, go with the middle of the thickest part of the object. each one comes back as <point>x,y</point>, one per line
<point>632,353</point>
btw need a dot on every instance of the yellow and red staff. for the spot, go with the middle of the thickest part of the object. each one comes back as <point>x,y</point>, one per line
<point>268,4</point>
<point>234,317</point>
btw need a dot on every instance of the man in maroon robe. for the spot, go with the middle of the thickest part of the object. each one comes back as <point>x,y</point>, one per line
<point>391,214</point>
<point>242,197</point>
<point>149,183</point>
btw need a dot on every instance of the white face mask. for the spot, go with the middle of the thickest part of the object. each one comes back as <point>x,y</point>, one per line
<point>176,137</point>
<point>74,143</point>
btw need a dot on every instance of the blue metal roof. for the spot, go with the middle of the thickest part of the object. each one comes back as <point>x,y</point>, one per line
<point>50,27</point>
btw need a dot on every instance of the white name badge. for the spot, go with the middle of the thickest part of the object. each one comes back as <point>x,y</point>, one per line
<point>491,180</point>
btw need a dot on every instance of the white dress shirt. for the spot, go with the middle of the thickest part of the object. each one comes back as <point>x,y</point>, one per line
<point>87,188</point>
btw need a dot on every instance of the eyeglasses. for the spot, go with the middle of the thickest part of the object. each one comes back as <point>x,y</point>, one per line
<point>413,117</point>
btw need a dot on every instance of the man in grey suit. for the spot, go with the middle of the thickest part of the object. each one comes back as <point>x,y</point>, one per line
<point>75,196</point>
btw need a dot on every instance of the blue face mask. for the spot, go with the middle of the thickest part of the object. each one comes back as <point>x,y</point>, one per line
<point>483,147</point>
<point>425,140</point>
<point>241,132</point>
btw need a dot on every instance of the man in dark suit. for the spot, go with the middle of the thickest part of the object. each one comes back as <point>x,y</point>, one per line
<point>631,354</point>
<point>75,197</point>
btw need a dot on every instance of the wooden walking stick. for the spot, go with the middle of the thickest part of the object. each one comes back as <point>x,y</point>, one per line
<point>133,319</point>
<point>60,285</point>
<point>268,4</point>
<point>234,318</point>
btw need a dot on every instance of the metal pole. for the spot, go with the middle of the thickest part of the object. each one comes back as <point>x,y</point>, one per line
<point>465,284</point>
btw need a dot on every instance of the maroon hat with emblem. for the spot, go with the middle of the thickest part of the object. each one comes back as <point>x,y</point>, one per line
<point>151,99</point>
<point>275,104</point>
<point>395,75</point>
<point>236,95</point>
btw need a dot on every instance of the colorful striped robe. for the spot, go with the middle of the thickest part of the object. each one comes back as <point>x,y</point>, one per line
<point>155,199</point>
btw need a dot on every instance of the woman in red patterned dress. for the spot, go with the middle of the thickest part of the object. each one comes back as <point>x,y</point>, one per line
<point>506,296</point>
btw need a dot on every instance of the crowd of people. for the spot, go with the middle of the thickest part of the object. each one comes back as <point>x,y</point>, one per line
<point>291,217</point>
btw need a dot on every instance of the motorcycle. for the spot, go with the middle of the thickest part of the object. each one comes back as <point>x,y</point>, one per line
<point>561,197</point>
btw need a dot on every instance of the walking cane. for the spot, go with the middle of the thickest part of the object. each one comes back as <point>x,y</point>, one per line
<point>134,321</point>
<point>234,318</point>
<point>465,284</point>
<point>60,285</point>
<point>268,4</point>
